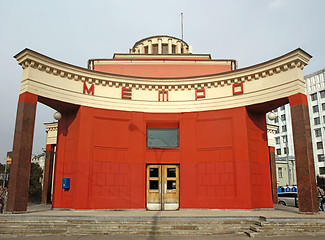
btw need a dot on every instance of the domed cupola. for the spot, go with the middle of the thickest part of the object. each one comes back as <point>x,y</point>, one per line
<point>161,45</point>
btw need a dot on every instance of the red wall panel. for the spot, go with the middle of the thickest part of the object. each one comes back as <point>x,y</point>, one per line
<point>259,161</point>
<point>66,152</point>
<point>223,159</point>
<point>159,70</point>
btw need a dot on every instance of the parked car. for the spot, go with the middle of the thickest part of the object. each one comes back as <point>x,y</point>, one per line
<point>288,199</point>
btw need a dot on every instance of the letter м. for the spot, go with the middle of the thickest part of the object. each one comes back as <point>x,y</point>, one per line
<point>90,90</point>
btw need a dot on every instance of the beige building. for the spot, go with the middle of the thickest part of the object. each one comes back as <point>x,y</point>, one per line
<point>282,164</point>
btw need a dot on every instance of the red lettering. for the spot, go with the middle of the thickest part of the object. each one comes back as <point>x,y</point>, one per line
<point>126,93</point>
<point>90,90</point>
<point>162,93</point>
<point>199,93</point>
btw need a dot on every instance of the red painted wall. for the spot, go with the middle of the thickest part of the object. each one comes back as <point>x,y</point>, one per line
<point>162,70</point>
<point>223,159</point>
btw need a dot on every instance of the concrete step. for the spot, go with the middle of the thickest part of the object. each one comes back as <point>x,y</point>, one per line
<point>139,227</point>
<point>293,227</point>
<point>148,226</point>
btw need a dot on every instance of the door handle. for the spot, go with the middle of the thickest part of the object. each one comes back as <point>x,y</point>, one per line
<point>159,188</point>
<point>165,187</point>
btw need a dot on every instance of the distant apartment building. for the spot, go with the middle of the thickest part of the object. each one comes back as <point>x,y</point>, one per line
<point>284,149</point>
<point>315,89</point>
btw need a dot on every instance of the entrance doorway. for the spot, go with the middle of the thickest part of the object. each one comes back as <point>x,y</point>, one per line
<point>162,187</point>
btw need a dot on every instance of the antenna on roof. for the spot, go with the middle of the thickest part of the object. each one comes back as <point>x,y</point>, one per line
<point>182,27</point>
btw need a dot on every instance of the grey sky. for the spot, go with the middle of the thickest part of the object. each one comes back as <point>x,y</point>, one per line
<point>250,31</point>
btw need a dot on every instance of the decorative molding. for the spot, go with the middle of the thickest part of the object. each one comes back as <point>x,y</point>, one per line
<point>84,76</point>
<point>283,74</point>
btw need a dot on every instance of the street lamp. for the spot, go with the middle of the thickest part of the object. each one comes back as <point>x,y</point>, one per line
<point>57,116</point>
<point>272,116</point>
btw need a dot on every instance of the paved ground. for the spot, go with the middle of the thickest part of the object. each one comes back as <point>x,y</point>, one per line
<point>127,237</point>
<point>279,212</point>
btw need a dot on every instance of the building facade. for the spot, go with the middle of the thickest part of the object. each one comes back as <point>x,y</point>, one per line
<point>161,128</point>
<point>315,89</point>
<point>284,147</point>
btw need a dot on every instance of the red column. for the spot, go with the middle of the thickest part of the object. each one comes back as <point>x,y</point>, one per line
<point>48,170</point>
<point>273,175</point>
<point>307,192</point>
<point>22,153</point>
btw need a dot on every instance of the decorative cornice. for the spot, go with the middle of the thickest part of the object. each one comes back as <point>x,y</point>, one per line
<point>51,79</point>
<point>272,128</point>
<point>50,127</point>
<point>295,59</point>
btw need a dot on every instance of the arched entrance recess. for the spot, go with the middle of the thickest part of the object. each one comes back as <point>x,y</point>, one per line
<point>238,99</point>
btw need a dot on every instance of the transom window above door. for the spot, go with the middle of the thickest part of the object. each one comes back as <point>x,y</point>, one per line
<point>162,138</point>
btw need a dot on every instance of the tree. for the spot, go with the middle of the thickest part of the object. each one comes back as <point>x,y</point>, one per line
<point>2,167</point>
<point>2,173</point>
<point>35,185</point>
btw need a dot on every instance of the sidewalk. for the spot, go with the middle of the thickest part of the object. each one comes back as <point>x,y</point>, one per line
<point>278,212</point>
<point>42,214</point>
<point>128,237</point>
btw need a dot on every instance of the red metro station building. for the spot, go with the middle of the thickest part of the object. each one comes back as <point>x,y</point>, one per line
<point>161,128</point>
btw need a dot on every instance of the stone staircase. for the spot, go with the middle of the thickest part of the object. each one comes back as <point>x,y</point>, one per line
<point>287,227</point>
<point>18,225</point>
<point>14,225</point>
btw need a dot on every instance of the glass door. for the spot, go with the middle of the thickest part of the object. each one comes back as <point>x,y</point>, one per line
<point>162,187</point>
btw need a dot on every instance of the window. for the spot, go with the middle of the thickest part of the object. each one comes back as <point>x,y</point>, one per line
<point>282,107</point>
<point>322,170</point>
<point>315,109</point>
<point>146,50</point>
<point>288,195</point>
<point>277,140</point>
<point>320,158</point>
<point>276,120</point>
<point>280,172</point>
<point>155,48</point>
<point>173,49</point>
<point>316,121</point>
<point>278,152</point>
<point>283,117</point>
<point>162,138</point>
<point>171,185</point>
<point>319,145</point>
<point>276,110</point>
<point>284,128</point>
<point>323,106</point>
<point>322,94</point>
<point>164,48</point>
<point>154,172</point>
<point>284,139</point>
<point>285,150</point>
<point>171,172</point>
<point>153,185</point>
<point>277,130</point>
<point>324,119</point>
<point>313,96</point>
<point>318,132</point>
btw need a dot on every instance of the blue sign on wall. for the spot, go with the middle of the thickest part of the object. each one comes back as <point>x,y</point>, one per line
<point>66,183</point>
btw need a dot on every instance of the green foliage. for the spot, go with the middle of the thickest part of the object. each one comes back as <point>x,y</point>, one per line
<point>2,168</point>
<point>2,173</point>
<point>35,186</point>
